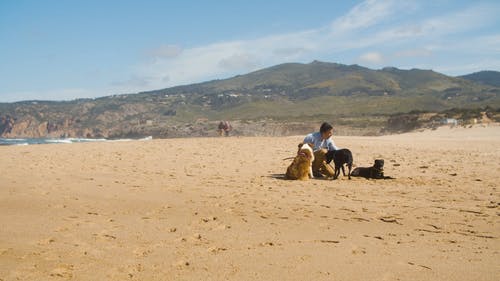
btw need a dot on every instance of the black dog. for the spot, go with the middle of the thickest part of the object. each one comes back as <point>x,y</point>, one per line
<point>374,172</point>
<point>340,157</point>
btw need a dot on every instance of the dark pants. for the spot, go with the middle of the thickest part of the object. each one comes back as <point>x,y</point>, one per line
<point>320,165</point>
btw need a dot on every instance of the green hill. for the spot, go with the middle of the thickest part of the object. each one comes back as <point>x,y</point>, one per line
<point>491,78</point>
<point>351,95</point>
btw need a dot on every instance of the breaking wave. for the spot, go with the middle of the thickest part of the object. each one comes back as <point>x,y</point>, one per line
<point>28,141</point>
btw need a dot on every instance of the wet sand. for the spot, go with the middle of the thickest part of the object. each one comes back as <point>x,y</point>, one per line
<point>219,209</point>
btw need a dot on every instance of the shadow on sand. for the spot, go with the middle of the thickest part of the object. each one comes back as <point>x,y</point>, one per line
<point>277,176</point>
<point>283,177</point>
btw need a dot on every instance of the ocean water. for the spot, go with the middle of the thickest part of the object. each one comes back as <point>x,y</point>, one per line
<point>60,140</point>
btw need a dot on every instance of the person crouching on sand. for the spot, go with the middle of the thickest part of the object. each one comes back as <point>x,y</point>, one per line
<point>324,148</point>
<point>224,127</point>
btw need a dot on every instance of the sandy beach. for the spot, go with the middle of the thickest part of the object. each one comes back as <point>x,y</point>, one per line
<point>219,209</point>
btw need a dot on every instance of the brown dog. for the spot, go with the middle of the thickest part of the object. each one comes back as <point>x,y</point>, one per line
<point>301,167</point>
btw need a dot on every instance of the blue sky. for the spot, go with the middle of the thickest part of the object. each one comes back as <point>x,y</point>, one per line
<point>62,50</point>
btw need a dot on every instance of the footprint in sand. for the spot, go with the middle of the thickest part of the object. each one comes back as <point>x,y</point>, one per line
<point>223,227</point>
<point>63,270</point>
<point>142,252</point>
<point>46,241</point>
<point>358,250</point>
<point>216,250</point>
<point>182,264</point>
<point>133,269</point>
<point>209,219</point>
<point>4,251</point>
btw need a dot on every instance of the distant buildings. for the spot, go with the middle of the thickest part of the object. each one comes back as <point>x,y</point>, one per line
<point>450,121</point>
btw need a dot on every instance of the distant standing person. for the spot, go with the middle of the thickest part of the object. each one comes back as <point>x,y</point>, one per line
<point>324,148</point>
<point>224,127</point>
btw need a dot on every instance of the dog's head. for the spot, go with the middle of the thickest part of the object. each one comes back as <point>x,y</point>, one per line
<point>379,164</point>
<point>306,150</point>
<point>306,145</point>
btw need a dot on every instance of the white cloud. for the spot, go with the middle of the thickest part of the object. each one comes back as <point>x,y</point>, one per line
<point>165,51</point>
<point>490,43</point>
<point>371,58</point>
<point>290,52</point>
<point>368,13</point>
<point>53,95</point>
<point>219,60</point>
<point>421,52</point>
<point>238,61</point>
<point>461,68</point>
<point>135,82</point>
<point>468,19</point>
<point>380,25</point>
<point>224,59</point>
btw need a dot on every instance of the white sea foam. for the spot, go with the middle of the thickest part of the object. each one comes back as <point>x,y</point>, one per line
<point>143,139</point>
<point>85,140</point>
<point>58,141</point>
<point>62,140</point>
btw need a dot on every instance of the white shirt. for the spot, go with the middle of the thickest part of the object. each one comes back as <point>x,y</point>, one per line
<point>319,143</point>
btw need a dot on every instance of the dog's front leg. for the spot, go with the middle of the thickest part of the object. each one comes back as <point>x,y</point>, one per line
<point>311,175</point>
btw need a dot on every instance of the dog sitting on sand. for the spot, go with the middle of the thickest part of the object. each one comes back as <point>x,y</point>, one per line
<point>301,167</point>
<point>374,172</point>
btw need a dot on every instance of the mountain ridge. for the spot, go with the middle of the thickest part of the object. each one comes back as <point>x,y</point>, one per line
<point>487,77</point>
<point>280,94</point>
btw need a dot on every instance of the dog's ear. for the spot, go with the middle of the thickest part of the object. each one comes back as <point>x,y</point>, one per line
<point>311,144</point>
<point>379,163</point>
<point>299,147</point>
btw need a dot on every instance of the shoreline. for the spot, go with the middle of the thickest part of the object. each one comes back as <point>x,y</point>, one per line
<point>445,129</point>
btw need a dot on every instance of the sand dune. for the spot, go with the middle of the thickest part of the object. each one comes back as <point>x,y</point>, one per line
<point>219,209</point>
